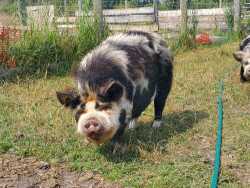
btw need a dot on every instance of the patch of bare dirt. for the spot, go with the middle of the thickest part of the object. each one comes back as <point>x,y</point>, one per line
<point>7,20</point>
<point>31,173</point>
<point>242,172</point>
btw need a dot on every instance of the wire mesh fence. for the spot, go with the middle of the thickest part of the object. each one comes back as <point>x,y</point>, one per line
<point>66,16</point>
<point>152,15</point>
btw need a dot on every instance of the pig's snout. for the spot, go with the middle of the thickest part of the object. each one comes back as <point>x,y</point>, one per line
<point>93,128</point>
<point>92,125</point>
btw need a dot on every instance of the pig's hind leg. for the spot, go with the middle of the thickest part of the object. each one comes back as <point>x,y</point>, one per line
<point>163,88</point>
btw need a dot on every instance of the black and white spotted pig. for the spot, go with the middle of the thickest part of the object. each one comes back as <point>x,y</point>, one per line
<point>243,56</point>
<point>117,81</point>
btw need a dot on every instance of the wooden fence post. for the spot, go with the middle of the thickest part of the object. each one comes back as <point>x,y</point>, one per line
<point>236,15</point>
<point>156,14</point>
<point>22,11</point>
<point>97,5</point>
<point>184,15</point>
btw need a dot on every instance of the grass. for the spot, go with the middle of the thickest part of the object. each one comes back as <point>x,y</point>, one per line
<point>178,155</point>
<point>44,51</point>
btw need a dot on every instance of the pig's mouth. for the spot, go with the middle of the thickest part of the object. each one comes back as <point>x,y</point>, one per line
<point>247,77</point>
<point>95,136</point>
<point>100,137</point>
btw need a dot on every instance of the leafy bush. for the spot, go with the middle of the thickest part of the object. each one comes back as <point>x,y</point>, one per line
<point>49,51</point>
<point>38,50</point>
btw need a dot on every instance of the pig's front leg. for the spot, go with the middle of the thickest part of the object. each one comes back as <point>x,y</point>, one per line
<point>117,142</point>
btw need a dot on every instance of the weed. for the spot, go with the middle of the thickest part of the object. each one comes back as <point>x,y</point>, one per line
<point>45,50</point>
<point>229,18</point>
<point>186,39</point>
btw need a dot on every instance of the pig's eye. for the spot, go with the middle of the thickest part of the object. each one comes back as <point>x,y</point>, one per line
<point>245,63</point>
<point>102,106</point>
<point>113,93</point>
<point>82,106</point>
<point>78,114</point>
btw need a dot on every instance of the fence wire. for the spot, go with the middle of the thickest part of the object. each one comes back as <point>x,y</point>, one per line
<point>152,15</point>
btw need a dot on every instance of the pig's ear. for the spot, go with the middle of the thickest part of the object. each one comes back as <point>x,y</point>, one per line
<point>68,98</point>
<point>111,91</point>
<point>238,55</point>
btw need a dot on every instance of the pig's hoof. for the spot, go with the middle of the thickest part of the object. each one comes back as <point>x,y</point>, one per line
<point>119,148</point>
<point>157,124</point>
<point>132,124</point>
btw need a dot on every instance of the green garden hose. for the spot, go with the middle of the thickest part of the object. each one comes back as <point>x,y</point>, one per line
<point>217,161</point>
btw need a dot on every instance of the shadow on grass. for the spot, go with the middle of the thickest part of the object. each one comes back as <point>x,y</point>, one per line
<point>146,138</point>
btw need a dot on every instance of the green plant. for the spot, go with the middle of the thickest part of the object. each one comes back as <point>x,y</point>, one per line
<point>128,3</point>
<point>40,49</point>
<point>245,27</point>
<point>88,35</point>
<point>193,25</point>
<point>229,18</point>
<point>186,40</point>
<point>169,5</point>
<point>45,50</point>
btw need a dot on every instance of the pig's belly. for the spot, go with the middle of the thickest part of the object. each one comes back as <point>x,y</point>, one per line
<point>141,101</point>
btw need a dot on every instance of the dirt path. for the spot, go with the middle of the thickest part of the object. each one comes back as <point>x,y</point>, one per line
<point>30,173</point>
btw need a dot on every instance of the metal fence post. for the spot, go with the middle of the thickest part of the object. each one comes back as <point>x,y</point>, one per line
<point>156,13</point>
<point>97,5</point>
<point>80,7</point>
<point>22,11</point>
<point>184,15</point>
<point>236,15</point>
<point>65,3</point>
<point>65,7</point>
